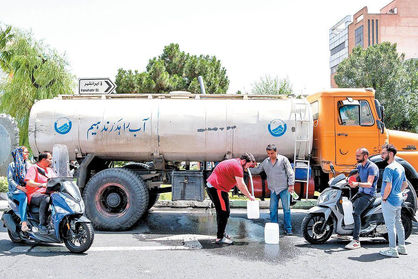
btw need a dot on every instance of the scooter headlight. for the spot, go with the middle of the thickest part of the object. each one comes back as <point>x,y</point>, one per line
<point>76,207</point>
<point>327,195</point>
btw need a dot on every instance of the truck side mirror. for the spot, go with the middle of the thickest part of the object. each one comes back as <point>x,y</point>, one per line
<point>380,126</point>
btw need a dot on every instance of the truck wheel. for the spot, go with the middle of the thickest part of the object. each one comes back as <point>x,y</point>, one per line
<point>407,226</point>
<point>153,198</point>
<point>412,196</point>
<point>115,199</point>
<point>312,229</point>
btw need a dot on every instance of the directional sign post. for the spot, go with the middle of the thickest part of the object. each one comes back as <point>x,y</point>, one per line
<point>95,86</point>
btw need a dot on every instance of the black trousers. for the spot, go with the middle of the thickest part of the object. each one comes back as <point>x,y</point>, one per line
<point>359,205</point>
<point>221,201</point>
<point>42,201</point>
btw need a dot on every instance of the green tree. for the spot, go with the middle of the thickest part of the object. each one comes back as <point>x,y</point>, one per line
<point>33,72</point>
<point>175,70</point>
<point>394,79</point>
<point>272,86</point>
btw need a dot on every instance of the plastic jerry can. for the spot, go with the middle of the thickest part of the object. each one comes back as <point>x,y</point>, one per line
<point>271,233</point>
<point>253,209</point>
<point>348,211</point>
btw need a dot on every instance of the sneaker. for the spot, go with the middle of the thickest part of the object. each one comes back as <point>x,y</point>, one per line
<point>289,233</point>
<point>354,244</point>
<point>227,236</point>
<point>391,252</point>
<point>224,240</point>
<point>402,250</point>
<point>341,237</point>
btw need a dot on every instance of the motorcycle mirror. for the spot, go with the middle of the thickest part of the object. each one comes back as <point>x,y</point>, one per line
<point>331,166</point>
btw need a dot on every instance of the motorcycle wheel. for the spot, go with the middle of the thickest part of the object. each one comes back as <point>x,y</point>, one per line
<point>407,226</point>
<point>80,239</point>
<point>13,238</point>
<point>311,227</point>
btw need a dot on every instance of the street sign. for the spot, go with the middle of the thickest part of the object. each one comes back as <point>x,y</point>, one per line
<point>95,86</point>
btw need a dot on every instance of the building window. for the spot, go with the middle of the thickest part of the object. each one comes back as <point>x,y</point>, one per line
<point>372,31</point>
<point>359,18</point>
<point>368,30</point>
<point>377,31</point>
<point>334,69</point>
<point>338,48</point>
<point>359,36</point>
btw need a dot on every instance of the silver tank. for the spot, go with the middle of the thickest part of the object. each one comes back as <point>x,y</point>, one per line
<point>195,128</point>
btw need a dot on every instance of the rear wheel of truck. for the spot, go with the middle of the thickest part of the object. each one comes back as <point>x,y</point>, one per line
<point>115,199</point>
<point>153,198</point>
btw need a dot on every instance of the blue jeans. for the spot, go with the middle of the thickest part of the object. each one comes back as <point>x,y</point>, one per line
<point>392,216</point>
<point>274,202</point>
<point>23,205</point>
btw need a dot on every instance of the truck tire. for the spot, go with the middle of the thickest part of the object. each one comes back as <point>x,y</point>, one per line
<point>115,199</point>
<point>9,140</point>
<point>153,198</point>
<point>407,226</point>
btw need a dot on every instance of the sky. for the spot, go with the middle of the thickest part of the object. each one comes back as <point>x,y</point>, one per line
<point>280,38</point>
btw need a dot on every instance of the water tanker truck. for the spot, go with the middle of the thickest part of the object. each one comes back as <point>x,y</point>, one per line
<point>156,132</point>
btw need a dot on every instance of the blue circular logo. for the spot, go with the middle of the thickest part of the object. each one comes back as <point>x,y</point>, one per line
<point>63,125</point>
<point>277,127</point>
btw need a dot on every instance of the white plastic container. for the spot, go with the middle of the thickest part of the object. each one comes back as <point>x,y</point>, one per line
<point>348,211</point>
<point>253,209</point>
<point>271,233</point>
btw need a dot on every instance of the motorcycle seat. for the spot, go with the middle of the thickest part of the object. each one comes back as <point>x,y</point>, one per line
<point>34,209</point>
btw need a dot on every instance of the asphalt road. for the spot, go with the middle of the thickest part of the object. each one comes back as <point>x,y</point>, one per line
<point>178,243</point>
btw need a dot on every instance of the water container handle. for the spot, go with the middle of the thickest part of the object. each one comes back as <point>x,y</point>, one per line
<point>251,181</point>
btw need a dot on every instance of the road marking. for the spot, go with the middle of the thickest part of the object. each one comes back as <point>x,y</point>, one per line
<point>184,237</point>
<point>63,249</point>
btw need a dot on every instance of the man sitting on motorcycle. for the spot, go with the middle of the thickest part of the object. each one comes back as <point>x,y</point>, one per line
<point>368,173</point>
<point>36,180</point>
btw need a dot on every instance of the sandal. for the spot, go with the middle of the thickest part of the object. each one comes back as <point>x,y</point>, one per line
<point>24,228</point>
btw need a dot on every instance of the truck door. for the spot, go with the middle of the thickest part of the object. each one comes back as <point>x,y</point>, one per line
<point>355,127</point>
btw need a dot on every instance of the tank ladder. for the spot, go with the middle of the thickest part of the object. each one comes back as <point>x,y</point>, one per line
<point>302,118</point>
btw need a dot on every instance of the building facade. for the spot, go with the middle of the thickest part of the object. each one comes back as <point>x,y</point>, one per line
<point>397,23</point>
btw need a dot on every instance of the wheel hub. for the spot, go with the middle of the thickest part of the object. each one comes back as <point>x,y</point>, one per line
<point>316,229</point>
<point>113,200</point>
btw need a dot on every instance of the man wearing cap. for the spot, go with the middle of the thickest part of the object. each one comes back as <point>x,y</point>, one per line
<point>224,177</point>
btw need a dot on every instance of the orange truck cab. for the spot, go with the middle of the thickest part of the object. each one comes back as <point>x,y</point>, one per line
<point>347,119</point>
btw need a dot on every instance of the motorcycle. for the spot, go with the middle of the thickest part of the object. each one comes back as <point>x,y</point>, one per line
<point>66,220</point>
<point>328,216</point>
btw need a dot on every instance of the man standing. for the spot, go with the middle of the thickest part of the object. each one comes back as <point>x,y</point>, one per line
<point>224,177</point>
<point>36,180</point>
<point>368,173</point>
<point>393,184</point>
<point>280,180</point>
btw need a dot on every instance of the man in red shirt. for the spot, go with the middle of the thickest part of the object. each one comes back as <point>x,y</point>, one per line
<point>36,180</point>
<point>224,177</point>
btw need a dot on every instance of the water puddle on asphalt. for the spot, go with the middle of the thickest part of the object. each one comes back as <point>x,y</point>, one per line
<point>187,229</point>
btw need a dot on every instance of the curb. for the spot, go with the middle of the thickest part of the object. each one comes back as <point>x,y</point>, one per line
<point>305,204</point>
